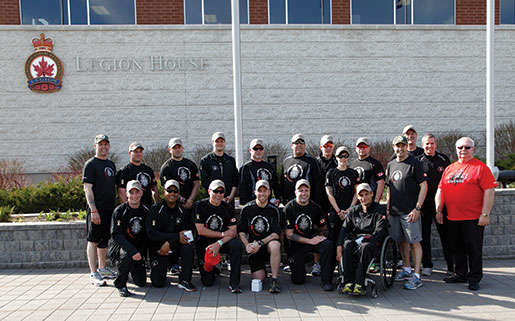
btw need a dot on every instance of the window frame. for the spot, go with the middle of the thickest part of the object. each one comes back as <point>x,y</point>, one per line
<point>286,13</point>
<point>202,16</point>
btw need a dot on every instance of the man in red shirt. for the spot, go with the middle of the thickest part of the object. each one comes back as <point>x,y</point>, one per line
<point>467,190</point>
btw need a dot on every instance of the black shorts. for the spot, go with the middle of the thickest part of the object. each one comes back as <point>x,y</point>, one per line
<point>99,233</point>
<point>257,261</point>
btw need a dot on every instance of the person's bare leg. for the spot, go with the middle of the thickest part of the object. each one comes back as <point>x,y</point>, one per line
<point>405,249</point>
<point>91,251</point>
<point>274,248</point>
<point>417,256</point>
<point>102,254</point>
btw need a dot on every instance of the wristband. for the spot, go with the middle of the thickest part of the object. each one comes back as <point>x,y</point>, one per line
<point>222,234</point>
<point>485,215</point>
<point>94,212</point>
<point>260,242</point>
<point>220,242</point>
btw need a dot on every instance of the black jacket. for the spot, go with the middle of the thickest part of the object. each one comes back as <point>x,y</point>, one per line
<point>128,228</point>
<point>211,169</point>
<point>373,224</point>
<point>165,224</point>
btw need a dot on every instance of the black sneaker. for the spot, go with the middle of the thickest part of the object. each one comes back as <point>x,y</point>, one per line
<point>235,289</point>
<point>474,286</point>
<point>455,279</point>
<point>274,286</point>
<point>124,292</point>
<point>327,287</point>
<point>187,286</point>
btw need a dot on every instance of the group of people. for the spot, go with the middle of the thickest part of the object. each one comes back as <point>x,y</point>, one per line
<point>331,209</point>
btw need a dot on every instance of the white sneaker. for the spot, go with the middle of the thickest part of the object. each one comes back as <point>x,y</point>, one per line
<point>96,279</point>
<point>317,269</point>
<point>107,273</point>
<point>427,271</point>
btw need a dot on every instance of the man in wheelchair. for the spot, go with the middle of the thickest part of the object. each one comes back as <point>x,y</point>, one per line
<point>364,229</point>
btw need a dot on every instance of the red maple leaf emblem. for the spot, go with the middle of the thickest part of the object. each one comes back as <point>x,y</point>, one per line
<point>44,70</point>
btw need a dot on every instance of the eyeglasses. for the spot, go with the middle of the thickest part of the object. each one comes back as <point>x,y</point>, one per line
<point>362,146</point>
<point>464,147</point>
<point>299,142</point>
<point>258,148</point>
<point>218,191</point>
<point>328,145</point>
<point>173,191</point>
<point>343,156</point>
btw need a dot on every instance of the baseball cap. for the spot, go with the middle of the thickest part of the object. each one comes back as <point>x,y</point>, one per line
<point>264,183</point>
<point>325,139</point>
<point>400,140</point>
<point>217,135</point>
<point>301,182</point>
<point>296,137</point>
<point>174,141</point>
<point>405,130</point>
<point>210,261</point>
<point>134,184</point>
<point>101,137</point>
<point>135,146</point>
<point>363,186</point>
<point>342,149</point>
<point>362,140</point>
<point>255,142</point>
<point>172,182</point>
<point>216,183</point>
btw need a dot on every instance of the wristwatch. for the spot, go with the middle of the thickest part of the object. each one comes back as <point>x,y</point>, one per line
<point>418,208</point>
<point>260,242</point>
<point>485,215</point>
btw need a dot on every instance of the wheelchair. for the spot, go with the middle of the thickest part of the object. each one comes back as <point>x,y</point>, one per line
<point>387,261</point>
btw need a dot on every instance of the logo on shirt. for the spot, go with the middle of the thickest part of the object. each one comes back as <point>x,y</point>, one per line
<point>214,223</point>
<point>264,174</point>
<point>144,179</point>
<point>108,172</point>
<point>361,172</point>
<point>440,169</point>
<point>259,225</point>
<point>183,173</point>
<point>343,182</point>
<point>303,223</point>
<point>295,171</point>
<point>135,227</point>
<point>396,176</point>
<point>178,221</point>
<point>214,168</point>
<point>458,177</point>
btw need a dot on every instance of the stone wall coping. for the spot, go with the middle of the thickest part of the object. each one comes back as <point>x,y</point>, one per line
<point>40,225</point>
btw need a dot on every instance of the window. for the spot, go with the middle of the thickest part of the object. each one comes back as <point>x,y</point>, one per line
<point>56,12</point>
<point>299,11</point>
<point>403,12</point>
<point>213,11</point>
<point>507,11</point>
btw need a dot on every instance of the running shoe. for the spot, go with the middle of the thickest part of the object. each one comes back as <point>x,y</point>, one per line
<point>413,284</point>
<point>404,276</point>
<point>187,286</point>
<point>96,279</point>
<point>317,269</point>
<point>107,273</point>
<point>274,286</point>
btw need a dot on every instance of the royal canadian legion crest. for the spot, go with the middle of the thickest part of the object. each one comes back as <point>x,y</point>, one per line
<point>43,69</point>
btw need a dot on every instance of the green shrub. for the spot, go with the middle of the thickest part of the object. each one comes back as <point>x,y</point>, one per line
<point>5,213</point>
<point>507,163</point>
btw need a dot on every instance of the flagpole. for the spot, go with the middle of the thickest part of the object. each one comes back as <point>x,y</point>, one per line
<point>235,10</point>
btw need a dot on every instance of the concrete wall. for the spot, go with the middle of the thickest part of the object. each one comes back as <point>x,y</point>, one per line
<point>347,81</point>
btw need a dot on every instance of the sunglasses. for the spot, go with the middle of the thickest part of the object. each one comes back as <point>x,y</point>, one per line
<point>464,147</point>
<point>328,145</point>
<point>343,156</point>
<point>258,148</point>
<point>173,191</point>
<point>299,142</point>
<point>218,191</point>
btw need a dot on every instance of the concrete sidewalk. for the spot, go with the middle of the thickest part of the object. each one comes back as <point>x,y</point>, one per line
<point>67,295</point>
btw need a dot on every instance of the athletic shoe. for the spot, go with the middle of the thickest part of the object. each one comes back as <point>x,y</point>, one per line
<point>427,271</point>
<point>274,286</point>
<point>175,269</point>
<point>124,292</point>
<point>358,290</point>
<point>374,268</point>
<point>413,284</point>
<point>96,279</point>
<point>455,279</point>
<point>327,287</point>
<point>187,286</point>
<point>107,273</point>
<point>404,276</point>
<point>286,268</point>
<point>317,269</point>
<point>348,288</point>
<point>474,286</point>
<point>236,289</point>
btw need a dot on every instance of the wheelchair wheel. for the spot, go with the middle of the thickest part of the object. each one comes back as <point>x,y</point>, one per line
<point>388,262</point>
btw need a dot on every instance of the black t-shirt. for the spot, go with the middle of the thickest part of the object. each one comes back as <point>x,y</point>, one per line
<point>343,184</point>
<point>370,171</point>
<point>219,167</point>
<point>304,220</point>
<point>303,167</point>
<point>184,171</point>
<point>143,174</point>
<point>403,179</point>
<point>325,166</point>
<point>250,174</point>
<point>259,222</point>
<point>128,228</point>
<point>101,173</point>
<point>215,218</point>
<point>434,167</point>
<point>165,223</point>
<point>417,153</point>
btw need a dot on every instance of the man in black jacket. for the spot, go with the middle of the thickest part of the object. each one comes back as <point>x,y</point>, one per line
<point>364,229</point>
<point>130,238</point>
<point>169,230</point>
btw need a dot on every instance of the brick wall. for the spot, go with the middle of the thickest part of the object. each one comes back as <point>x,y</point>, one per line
<point>341,12</point>
<point>473,12</point>
<point>258,12</point>
<point>157,12</point>
<point>9,12</point>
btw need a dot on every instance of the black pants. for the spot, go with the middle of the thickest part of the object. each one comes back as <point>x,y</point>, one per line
<point>233,248</point>
<point>159,264</point>
<point>466,239</point>
<point>429,215</point>
<point>356,260</point>
<point>127,265</point>
<point>298,255</point>
<point>335,224</point>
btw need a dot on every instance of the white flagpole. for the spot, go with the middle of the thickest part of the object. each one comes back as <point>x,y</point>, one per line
<point>235,10</point>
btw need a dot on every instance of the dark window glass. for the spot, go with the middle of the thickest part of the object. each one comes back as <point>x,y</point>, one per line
<point>193,11</point>
<point>403,12</point>
<point>277,11</point>
<point>78,12</point>
<point>372,11</point>
<point>110,12</point>
<point>433,12</point>
<point>309,11</point>
<point>219,12</point>
<point>508,11</point>
<point>35,12</point>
